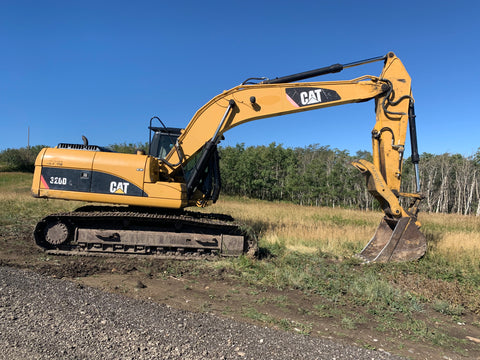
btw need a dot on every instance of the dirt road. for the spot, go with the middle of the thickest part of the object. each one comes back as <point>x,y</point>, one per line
<point>46,318</point>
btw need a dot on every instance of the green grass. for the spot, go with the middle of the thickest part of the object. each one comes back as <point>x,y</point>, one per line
<point>444,307</point>
<point>18,183</point>
<point>375,291</point>
<point>283,323</point>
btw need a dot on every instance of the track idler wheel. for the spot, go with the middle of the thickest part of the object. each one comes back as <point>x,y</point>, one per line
<point>395,240</point>
<point>56,233</point>
<point>52,233</point>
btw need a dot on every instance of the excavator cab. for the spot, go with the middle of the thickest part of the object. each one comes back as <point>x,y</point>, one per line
<point>204,167</point>
<point>162,141</point>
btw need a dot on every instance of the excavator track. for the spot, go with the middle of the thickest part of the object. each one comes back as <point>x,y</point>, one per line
<point>111,231</point>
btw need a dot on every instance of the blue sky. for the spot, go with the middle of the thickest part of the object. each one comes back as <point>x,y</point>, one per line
<point>104,68</point>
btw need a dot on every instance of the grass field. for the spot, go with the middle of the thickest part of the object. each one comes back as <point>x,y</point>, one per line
<point>341,232</point>
<point>309,251</point>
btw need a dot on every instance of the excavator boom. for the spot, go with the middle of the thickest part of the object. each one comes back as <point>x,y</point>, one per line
<point>189,173</point>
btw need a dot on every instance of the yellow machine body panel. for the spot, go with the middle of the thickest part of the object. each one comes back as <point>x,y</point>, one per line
<point>105,177</point>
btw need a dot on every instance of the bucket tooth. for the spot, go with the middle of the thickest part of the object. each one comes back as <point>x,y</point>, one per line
<point>395,240</point>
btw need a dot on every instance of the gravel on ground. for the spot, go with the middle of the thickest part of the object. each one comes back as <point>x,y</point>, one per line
<point>46,318</point>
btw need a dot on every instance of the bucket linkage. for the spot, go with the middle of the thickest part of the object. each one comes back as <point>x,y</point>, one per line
<point>398,237</point>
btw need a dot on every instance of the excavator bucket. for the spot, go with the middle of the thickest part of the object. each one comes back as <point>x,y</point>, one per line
<point>395,240</point>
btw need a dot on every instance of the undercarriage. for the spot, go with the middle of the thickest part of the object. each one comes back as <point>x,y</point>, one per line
<point>95,230</point>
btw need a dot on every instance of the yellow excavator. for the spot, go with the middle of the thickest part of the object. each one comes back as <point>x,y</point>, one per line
<point>149,192</point>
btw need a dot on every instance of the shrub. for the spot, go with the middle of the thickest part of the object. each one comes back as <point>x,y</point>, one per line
<point>22,159</point>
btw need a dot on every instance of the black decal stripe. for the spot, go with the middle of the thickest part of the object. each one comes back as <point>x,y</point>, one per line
<point>108,184</point>
<point>67,179</point>
<point>88,181</point>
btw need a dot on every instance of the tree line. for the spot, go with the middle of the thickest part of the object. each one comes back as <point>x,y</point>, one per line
<point>319,176</point>
<point>314,175</point>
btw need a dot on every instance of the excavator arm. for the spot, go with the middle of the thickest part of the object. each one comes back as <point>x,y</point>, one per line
<point>398,237</point>
<point>246,103</point>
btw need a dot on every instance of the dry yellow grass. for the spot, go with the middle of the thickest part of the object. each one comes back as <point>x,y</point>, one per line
<point>457,237</point>
<point>344,232</point>
<point>305,229</point>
